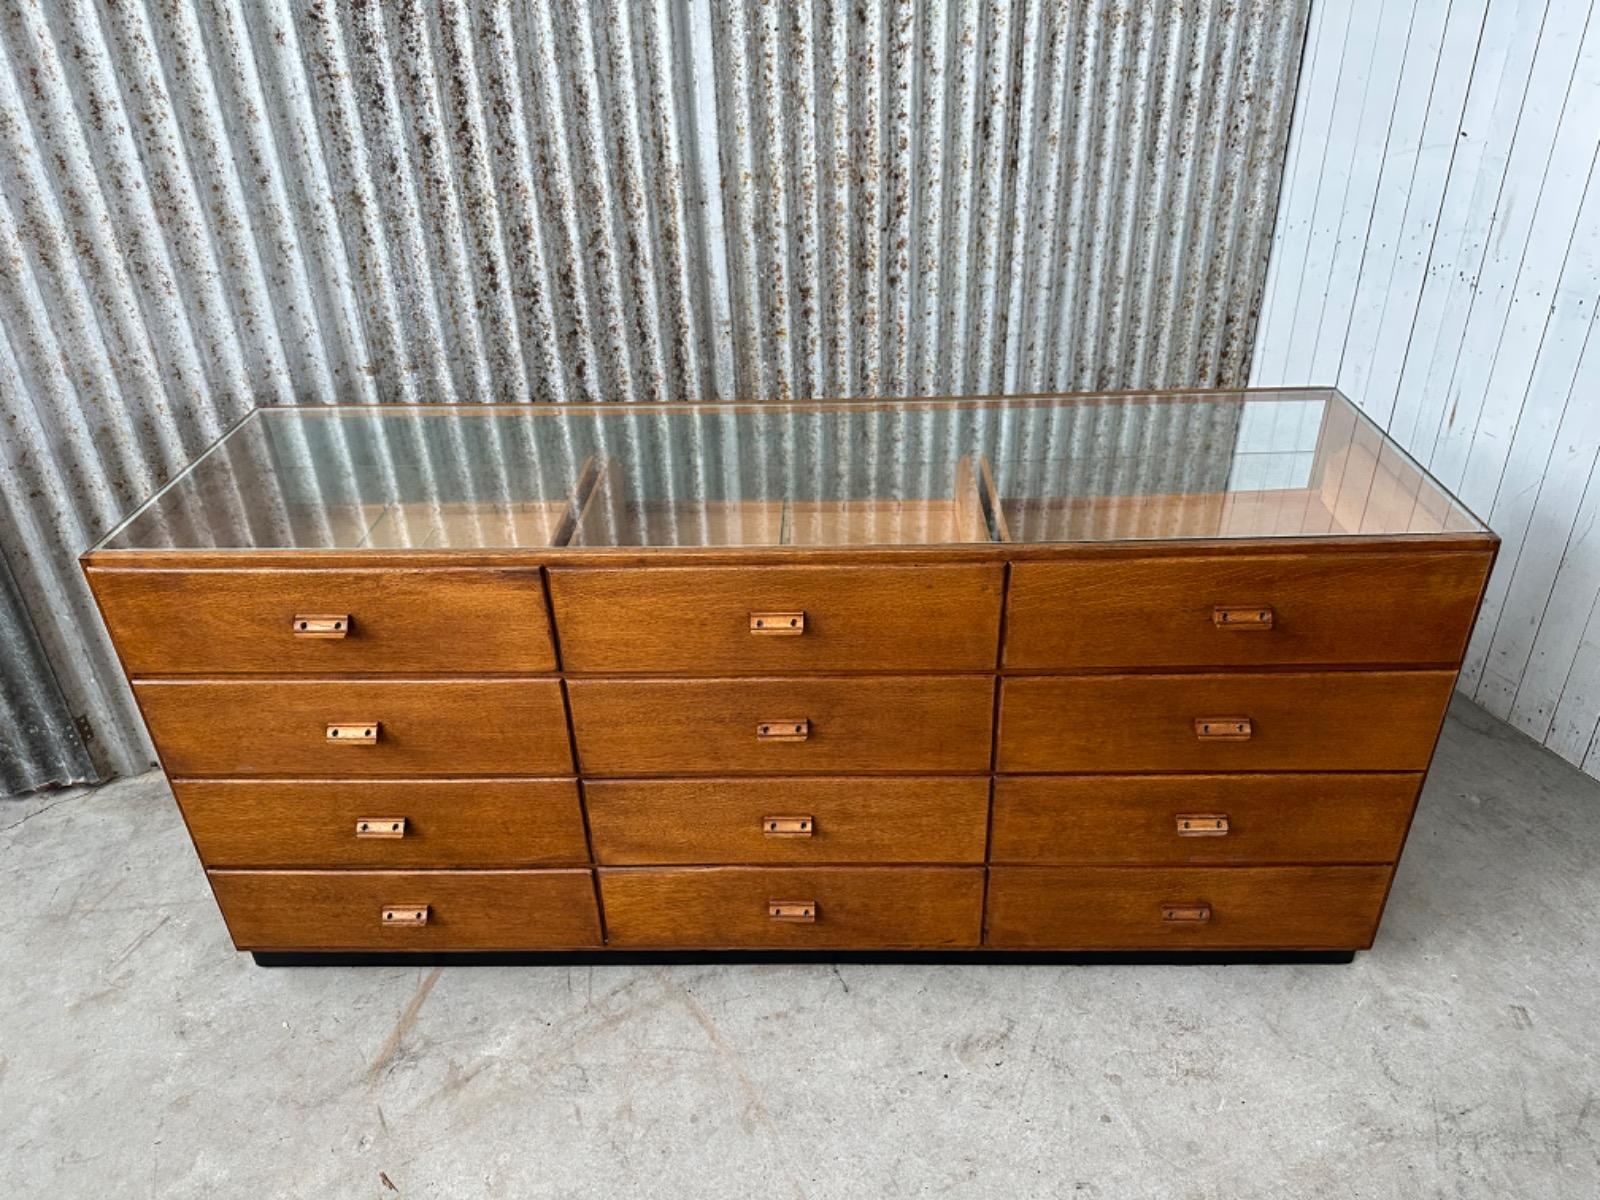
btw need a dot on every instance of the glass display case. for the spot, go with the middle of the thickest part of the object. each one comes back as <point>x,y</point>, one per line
<point>1132,673</point>
<point>1294,463</point>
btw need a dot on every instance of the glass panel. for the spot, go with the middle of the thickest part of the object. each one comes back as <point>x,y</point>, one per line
<point>1226,465</point>
<point>921,472</point>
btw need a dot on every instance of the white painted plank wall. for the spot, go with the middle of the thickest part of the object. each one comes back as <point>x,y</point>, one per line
<point>1437,255</point>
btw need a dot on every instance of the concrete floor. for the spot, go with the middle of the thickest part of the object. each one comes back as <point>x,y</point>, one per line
<point>140,1055</point>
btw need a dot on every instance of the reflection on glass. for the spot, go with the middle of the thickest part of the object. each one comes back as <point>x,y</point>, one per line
<point>917,472</point>
<point>786,515</point>
<point>1291,464</point>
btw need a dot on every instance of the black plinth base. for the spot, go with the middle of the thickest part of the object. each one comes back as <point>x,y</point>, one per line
<point>624,958</point>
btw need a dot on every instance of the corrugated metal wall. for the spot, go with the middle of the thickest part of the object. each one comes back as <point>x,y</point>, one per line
<point>211,204</point>
<point>39,743</point>
<point>1437,254</point>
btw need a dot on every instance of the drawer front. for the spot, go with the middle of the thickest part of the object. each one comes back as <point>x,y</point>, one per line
<point>935,724</point>
<point>1141,908</point>
<point>860,820</point>
<point>455,727</point>
<point>462,910</point>
<point>1344,721</point>
<point>1376,608</point>
<point>1202,818</point>
<point>703,621</point>
<point>198,622</point>
<point>823,907</point>
<point>370,823</point>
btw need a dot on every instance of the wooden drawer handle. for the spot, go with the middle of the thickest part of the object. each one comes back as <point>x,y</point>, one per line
<point>1223,729</point>
<point>353,733</point>
<point>778,624</point>
<point>320,625</point>
<point>1202,824</point>
<point>1252,616</point>
<point>789,730</point>
<point>801,912</point>
<point>787,826</point>
<point>405,914</point>
<point>381,827</point>
<point>1196,912</point>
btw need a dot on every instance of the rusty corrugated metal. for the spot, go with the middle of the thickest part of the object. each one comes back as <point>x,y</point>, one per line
<point>211,204</point>
<point>40,744</point>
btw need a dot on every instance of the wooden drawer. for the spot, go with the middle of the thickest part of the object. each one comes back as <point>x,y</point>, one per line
<point>466,910</point>
<point>221,622</point>
<point>1376,608</point>
<point>849,907</point>
<point>701,621</point>
<point>362,823</point>
<point>934,724</point>
<point>1202,818</point>
<point>860,820</point>
<point>1338,721</point>
<point>424,727</point>
<point>1121,908</point>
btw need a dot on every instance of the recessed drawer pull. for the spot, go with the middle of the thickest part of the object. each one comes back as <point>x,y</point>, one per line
<point>405,914</point>
<point>1202,824</point>
<point>778,624</point>
<point>381,827</point>
<point>1196,913</point>
<point>786,826</point>
<point>353,733</point>
<point>1222,729</point>
<point>790,730</point>
<point>1250,616</point>
<point>321,625</point>
<point>803,912</point>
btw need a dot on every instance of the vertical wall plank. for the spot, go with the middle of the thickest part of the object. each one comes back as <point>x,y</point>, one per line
<point>1530,387</point>
<point>1368,121</point>
<point>1442,41</point>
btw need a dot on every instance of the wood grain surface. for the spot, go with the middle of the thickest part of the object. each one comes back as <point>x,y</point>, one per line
<point>467,910</point>
<point>448,822</point>
<point>695,621</point>
<point>928,725</point>
<point>1134,819</point>
<point>1342,721</point>
<point>199,622</point>
<point>1332,608</point>
<point>426,727</point>
<point>856,907</point>
<point>860,819</point>
<point>1119,908</point>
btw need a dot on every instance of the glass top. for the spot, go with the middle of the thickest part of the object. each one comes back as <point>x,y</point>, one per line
<point>1070,468</point>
